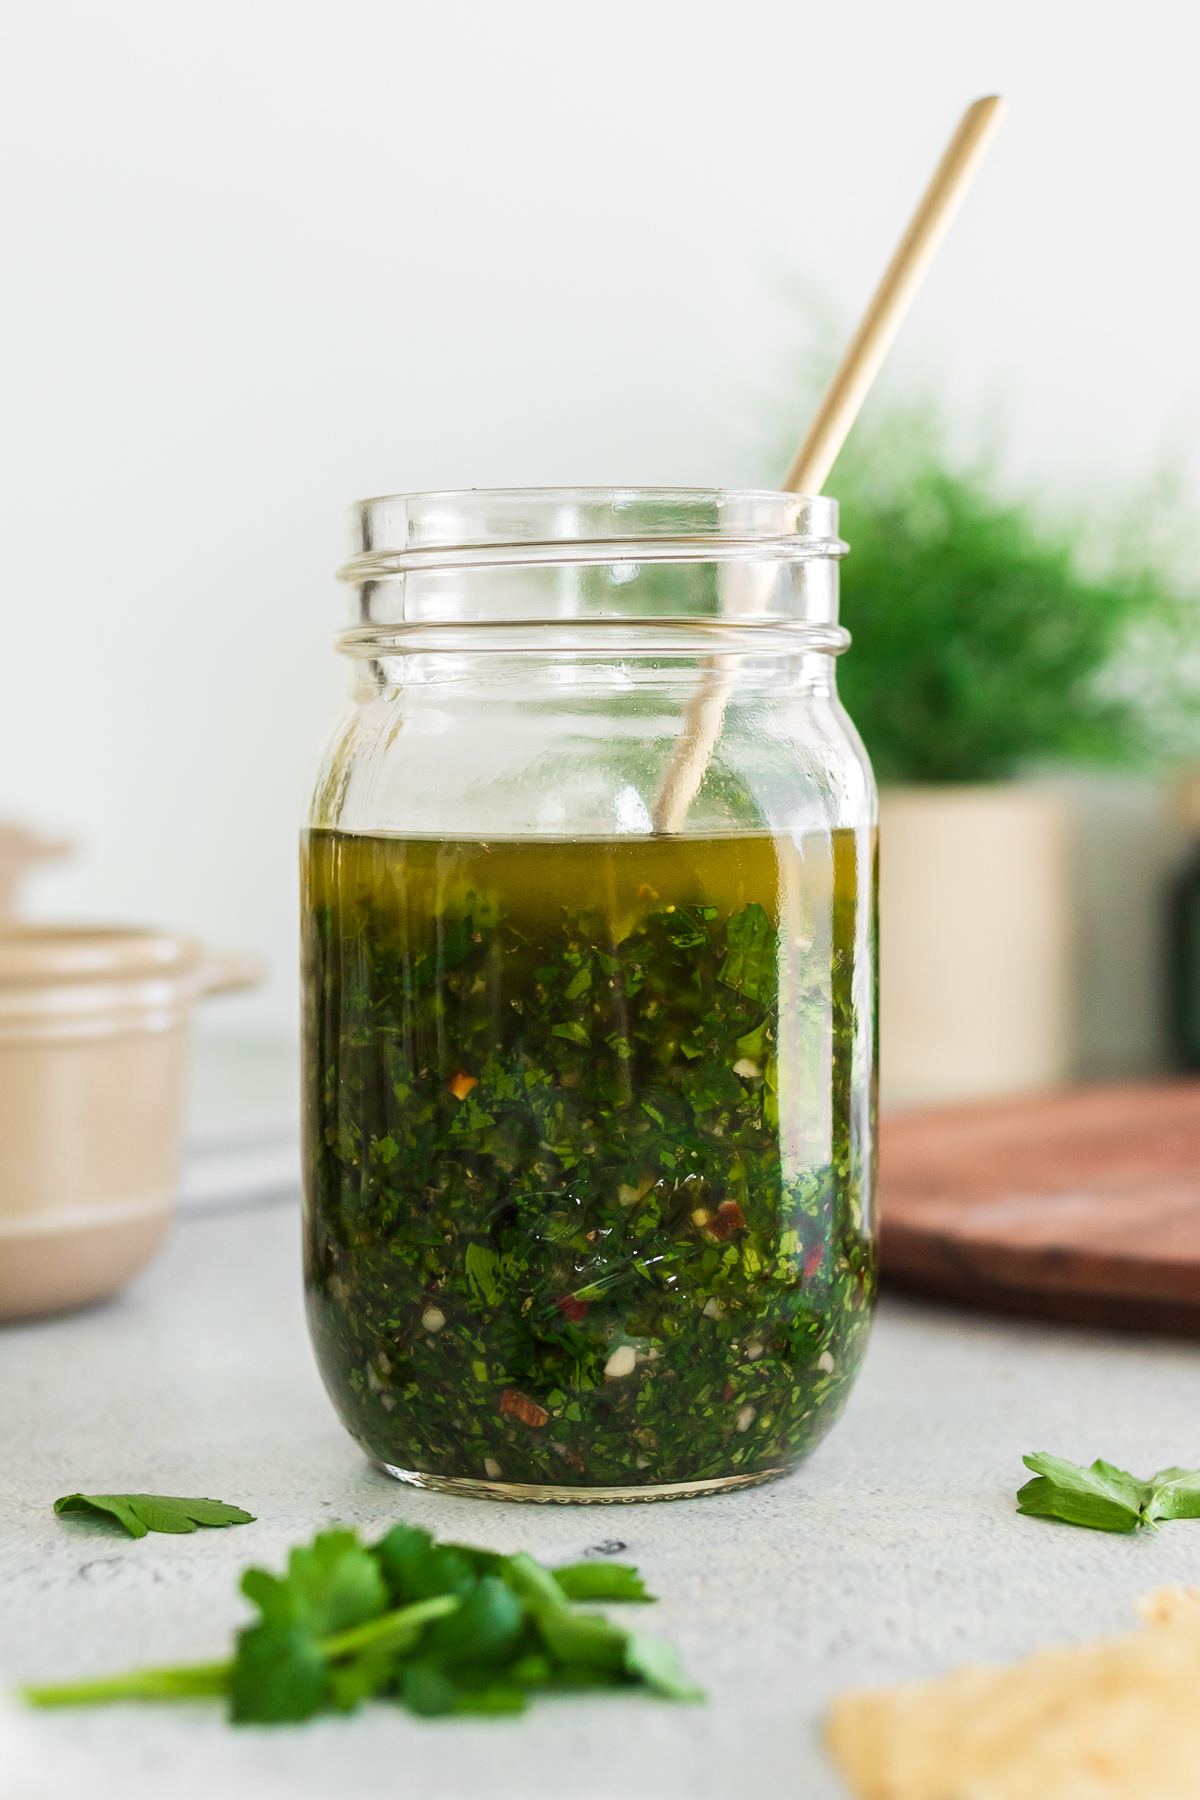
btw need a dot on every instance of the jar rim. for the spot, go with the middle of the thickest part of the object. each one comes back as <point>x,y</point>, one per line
<point>467,526</point>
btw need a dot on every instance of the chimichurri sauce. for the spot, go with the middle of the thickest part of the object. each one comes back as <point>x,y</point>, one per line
<point>589,1150</point>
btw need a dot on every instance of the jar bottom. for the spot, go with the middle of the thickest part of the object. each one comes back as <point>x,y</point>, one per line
<point>468,1489</point>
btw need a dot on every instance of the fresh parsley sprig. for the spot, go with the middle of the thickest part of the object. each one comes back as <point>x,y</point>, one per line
<point>441,1628</point>
<point>140,1513</point>
<point>1105,1498</point>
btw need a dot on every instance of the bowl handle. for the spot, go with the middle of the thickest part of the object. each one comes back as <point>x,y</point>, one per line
<point>228,974</point>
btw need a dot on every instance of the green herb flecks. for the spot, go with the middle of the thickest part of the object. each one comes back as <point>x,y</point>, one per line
<point>440,1628</point>
<point>1105,1498</point>
<point>140,1513</point>
<point>589,1151</point>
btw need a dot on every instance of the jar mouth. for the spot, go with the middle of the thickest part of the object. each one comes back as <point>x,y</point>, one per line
<point>591,560</point>
<point>480,527</point>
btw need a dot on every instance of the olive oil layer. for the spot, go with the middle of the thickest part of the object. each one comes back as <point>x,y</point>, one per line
<point>588,1150</point>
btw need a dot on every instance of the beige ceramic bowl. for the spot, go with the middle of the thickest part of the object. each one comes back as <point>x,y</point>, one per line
<point>94,1030</point>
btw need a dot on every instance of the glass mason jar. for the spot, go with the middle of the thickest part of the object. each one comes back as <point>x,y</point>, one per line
<point>589,1004</point>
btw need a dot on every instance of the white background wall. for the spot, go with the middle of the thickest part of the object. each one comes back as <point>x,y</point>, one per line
<point>264,256</point>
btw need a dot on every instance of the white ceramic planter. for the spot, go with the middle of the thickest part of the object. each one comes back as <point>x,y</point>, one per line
<point>93,1058</point>
<point>975,941</point>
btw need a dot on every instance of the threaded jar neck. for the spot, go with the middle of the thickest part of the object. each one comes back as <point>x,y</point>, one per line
<point>591,563</point>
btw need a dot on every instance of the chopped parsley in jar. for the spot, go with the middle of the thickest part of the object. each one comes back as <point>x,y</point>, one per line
<point>589,1158</point>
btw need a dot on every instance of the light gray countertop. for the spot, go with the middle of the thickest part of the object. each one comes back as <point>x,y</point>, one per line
<point>894,1552</point>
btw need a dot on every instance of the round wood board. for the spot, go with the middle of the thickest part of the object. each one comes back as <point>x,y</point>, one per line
<point>1081,1204</point>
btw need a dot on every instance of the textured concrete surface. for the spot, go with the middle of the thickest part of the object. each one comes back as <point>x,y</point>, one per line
<point>895,1552</point>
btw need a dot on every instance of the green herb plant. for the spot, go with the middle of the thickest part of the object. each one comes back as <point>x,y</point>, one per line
<point>990,636</point>
<point>140,1513</point>
<point>1105,1498</point>
<point>438,1628</point>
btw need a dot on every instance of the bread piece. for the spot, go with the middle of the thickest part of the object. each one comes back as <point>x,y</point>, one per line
<point>1114,1720</point>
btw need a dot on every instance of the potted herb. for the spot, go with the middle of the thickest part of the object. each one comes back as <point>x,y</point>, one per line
<point>990,645</point>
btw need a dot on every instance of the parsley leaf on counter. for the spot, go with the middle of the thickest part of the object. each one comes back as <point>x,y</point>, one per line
<point>439,1628</point>
<point>140,1513</point>
<point>1105,1498</point>
<point>601,1581</point>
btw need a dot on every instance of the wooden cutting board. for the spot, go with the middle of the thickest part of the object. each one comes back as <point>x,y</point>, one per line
<point>1082,1204</point>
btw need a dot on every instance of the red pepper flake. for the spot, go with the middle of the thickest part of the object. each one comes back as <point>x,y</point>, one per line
<point>814,1259</point>
<point>460,1084</point>
<point>728,1394</point>
<point>520,1406</point>
<point>727,1219</point>
<point>571,1308</point>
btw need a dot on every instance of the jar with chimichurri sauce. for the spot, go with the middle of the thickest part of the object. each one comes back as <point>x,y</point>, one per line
<point>589,995</point>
